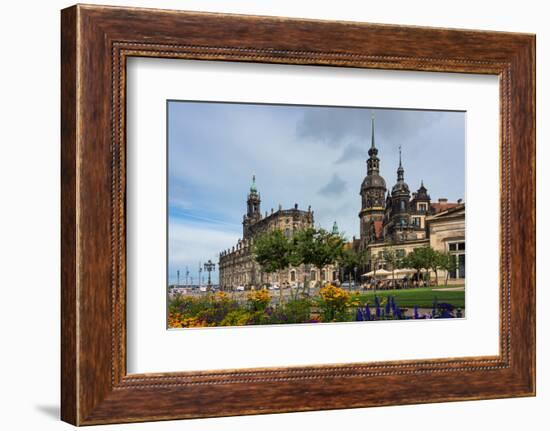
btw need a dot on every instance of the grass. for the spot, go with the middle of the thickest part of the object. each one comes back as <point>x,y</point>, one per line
<point>422,297</point>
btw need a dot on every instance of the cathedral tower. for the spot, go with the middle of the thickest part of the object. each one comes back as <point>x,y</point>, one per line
<point>253,212</point>
<point>372,192</point>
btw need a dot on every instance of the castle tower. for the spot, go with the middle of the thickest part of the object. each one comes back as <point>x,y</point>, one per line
<point>373,190</point>
<point>253,212</point>
<point>400,196</point>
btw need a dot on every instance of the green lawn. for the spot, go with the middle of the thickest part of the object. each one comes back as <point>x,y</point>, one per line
<point>422,297</point>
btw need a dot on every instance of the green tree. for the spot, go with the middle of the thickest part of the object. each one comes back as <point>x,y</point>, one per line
<point>348,260</point>
<point>437,260</point>
<point>448,263</point>
<point>273,251</point>
<point>428,259</point>
<point>316,247</point>
<point>416,259</point>
<point>390,256</point>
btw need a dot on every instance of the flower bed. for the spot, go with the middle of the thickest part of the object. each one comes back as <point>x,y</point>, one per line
<point>333,304</point>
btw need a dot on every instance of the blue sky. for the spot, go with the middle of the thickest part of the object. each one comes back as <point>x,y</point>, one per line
<point>300,154</point>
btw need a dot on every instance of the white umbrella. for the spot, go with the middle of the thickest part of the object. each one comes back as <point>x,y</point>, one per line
<point>378,272</point>
<point>403,271</point>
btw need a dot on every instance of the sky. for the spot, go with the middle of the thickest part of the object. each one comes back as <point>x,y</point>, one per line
<point>309,155</point>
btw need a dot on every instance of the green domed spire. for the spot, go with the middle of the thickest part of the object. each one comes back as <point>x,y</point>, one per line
<point>253,185</point>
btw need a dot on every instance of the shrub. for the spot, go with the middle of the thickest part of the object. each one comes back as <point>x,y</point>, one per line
<point>333,302</point>
<point>294,311</point>
<point>259,299</point>
<point>177,320</point>
<point>236,318</point>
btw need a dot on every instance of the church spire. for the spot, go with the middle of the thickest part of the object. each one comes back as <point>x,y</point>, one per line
<point>400,170</point>
<point>372,131</point>
<point>373,162</point>
<point>373,151</point>
<point>253,185</point>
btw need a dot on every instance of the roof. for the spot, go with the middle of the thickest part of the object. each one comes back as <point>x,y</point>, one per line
<point>443,206</point>
<point>457,210</point>
<point>373,180</point>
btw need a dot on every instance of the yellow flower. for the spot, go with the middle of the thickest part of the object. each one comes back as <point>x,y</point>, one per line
<point>259,299</point>
<point>333,294</point>
<point>176,320</point>
<point>221,296</point>
<point>259,296</point>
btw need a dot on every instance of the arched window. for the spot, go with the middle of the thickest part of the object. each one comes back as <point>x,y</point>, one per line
<point>292,275</point>
<point>313,275</point>
<point>402,203</point>
<point>323,275</point>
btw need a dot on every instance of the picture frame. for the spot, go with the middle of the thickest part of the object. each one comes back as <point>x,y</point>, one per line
<point>96,41</point>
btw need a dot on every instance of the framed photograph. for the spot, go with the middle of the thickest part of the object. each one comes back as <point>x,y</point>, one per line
<point>265,215</point>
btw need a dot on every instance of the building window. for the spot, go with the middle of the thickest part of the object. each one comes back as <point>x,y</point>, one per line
<point>402,204</point>
<point>287,232</point>
<point>400,253</point>
<point>313,275</point>
<point>457,251</point>
<point>457,246</point>
<point>323,275</point>
<point>423,207</point>
<point>292,275</point>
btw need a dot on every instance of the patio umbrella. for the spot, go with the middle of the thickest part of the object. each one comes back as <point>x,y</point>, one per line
<point>378,272</point>
<point>404,271</point>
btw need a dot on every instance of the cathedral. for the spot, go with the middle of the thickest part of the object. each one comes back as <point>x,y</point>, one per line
<point>237,266</point>
<point>389,219</point>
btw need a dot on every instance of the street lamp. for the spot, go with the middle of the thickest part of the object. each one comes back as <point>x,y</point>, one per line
<point>209,266</point>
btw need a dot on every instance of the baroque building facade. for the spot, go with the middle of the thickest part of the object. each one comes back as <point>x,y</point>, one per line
<point>237,266</point>
<point>399,220</point>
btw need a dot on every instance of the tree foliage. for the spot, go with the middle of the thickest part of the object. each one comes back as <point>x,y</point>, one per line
<point>390,256</point>
<point>316,247</point>
<point>310,246</point>
<point>447,263</point>
<point>272,250</point>
<point>426,258</point>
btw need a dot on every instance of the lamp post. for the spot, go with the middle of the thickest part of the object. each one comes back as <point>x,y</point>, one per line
<point>209,266</point>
